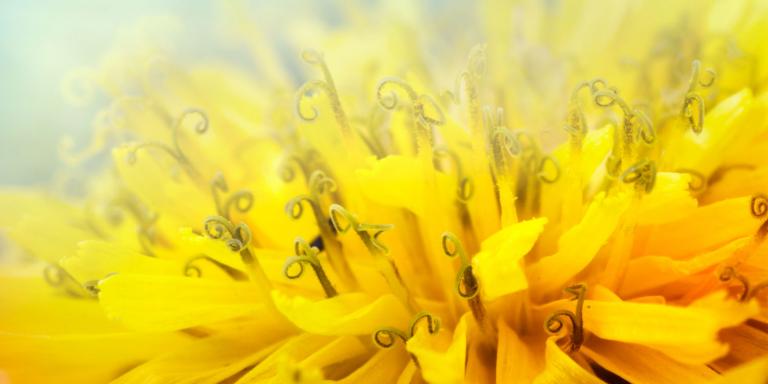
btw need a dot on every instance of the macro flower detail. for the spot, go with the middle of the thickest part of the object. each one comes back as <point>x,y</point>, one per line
<point>565,192</point>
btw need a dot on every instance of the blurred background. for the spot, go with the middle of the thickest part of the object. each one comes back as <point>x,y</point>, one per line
<point>41,43</point>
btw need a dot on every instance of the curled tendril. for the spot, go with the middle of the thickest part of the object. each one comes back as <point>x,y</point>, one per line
<point>542,170</point>
<point>642,174</point>
<point>175,152</point>
<point>287,169</point>
<point>305,90</point>
<point>759,205</point>
<point>693,112</point>
<point>343,220</point>
<point>241,200</point>
<point>693,105</point>
<point>59,278</point>
<point>696,78</point>
<point>237,237</point>
<point>433,323</point>
<point>633,117</point>
<point>320,183</point>
<point>728,274</point>
<point>390,100</point>
<point>465,187</point>
<point>698,181</point>
<point>576,123</point>
<point>313,57</point>
<point>54,275</point>
<point>759,209</point>
<point>131,155</point>
<point>191,270</point>
<point>201,126</point>
<point>505,139</point>
<point>307,254</point>
<point>554,322</point>
<point>387,336</point>
<point>466,283</point>
<point>646,131</point>
<point>295,209</point>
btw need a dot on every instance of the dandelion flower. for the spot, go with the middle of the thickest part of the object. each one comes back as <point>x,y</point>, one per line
<point>578,198</point>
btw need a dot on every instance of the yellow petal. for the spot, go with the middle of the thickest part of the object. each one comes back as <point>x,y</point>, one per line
<point>670,199</point>
<point>516,360</point>
<point>579,245</point>
<point>686,334</point>
<point>345,314</point>
<point>154,303</point>
<point>560,368</point>
<point>212,359</point>
<point>97,259</point>
<point>78,358</point>
<point>441,365</point>
<point>649,272</point>
<point>700,231</point>
<point>639,364</point>
<point>498,266</point>
<point>747,343</point>
<point>753,372</point>
<point>399,181</point>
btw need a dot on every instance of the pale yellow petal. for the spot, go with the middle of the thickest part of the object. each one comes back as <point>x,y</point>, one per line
<point>686,334</point>
<point>153,303</point>
<point>97,259</point>
<point>438,365</point>
<point>212,359</point>
<point>498,266</point>
<point>579,245</point>
<point>517,361</point>
<point>646,273</point>
<point>560,368</point>
<point>639,364</point>
<point>345,314</point>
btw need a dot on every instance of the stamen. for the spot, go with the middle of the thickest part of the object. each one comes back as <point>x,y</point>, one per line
<point>144,217</point>
<point>693,112</point>
<point>576,123</point>
<point>542,170</point>
<point>241,200</point>
<point>433,323</point>
<point>237,237</point>
<point>554,323</point>
<point>328,87</point>
<point>504,139</point>
<point>59,278</point>
<point>728,274</point>
<point>465,187</point>
<point>191,270</point>
<point>419,102</point>
<point>635,122</point>
<point>466,283</point>
<point>386,337</point>
<point>698,181</point>
<point>693,105</point>
<point>287,169</point>
<point>344,220</point>
<point>642,174</point>
<point>175,152</point>
<point>306,254</point>
<point>759,208</point>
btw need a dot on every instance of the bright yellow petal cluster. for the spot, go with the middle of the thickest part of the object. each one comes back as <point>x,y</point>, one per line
<point>580,197</point>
